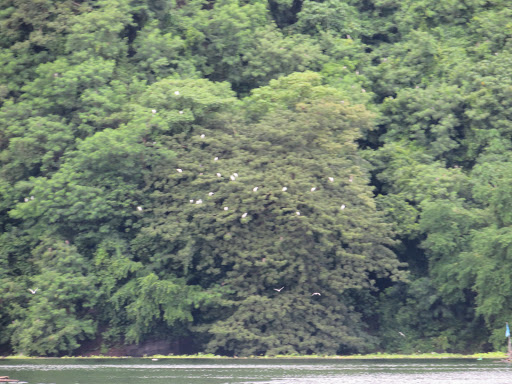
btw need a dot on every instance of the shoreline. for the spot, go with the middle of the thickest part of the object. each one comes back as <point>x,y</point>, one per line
<point>384,356</point>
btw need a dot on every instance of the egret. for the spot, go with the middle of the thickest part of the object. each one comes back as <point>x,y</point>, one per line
<point>199,201</point>
<point>218,174</point>
<point>255,189</point>
<point>153,111</point>
<point>401,334</point>
<point>278,290</point>
<point>331,179</point>
<point>181,112</point>
<point>363,90</point>
<point>210,194</point>
<point>202,136</point>
<point>33,291</point>
<point>216,159</point>
<point>177,93</point>
<point>26,199</point>
<point>139,208</point>
<point>313,189</point>
<point>179,170</point>
<point>244,215</point>
<point>31,197</point>
<point>191,200</point>
<point>342,206</point>
<point>316,294</point>
<point>284,189</point>
<point>297,213</point>
<point>235,174</point>
<point>232,177</point>
<point>226,208</point>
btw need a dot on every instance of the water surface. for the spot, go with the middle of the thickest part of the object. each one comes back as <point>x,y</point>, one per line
<point>248,371</point>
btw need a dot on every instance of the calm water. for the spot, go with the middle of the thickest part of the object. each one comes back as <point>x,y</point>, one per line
<point>246,371</point>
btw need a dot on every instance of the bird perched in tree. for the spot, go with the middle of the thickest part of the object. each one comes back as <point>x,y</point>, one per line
<point>139,208</point>
<point>244,215</point>
<point>210,194</point>
<point>218,174</point>
<point>177,93</point>
<point>342,206</point>
<point>313,189</point>
<point>179,170</point>
<point>297,213</point>
<point>284,189</point>
<point>226,208</point>
<point>331,179</point>
<point>202,136</point>
<point>255,189</point>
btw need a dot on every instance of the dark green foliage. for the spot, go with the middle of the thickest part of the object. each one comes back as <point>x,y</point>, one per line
<point>362,152</point>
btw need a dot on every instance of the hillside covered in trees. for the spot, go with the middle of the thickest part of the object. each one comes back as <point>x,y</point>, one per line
<point>258,176</point>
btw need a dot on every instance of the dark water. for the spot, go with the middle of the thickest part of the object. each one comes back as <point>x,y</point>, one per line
<point>246,371</point>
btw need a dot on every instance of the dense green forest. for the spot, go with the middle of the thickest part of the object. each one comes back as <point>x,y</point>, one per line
<point>259,176</point>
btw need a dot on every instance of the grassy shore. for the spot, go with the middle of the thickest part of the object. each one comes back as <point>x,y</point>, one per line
<point>432,355</point>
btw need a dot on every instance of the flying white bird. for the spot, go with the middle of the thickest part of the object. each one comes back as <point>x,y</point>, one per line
<point>316,294</point>
<point>218,174</point>
<point>255,189</point>
<point>210,194</point>
<point>226,208</point>
<point>401,334</point>
<point>179,170</point>
<point>331,179</point>
<point>313,189</point>
<point>244,215</point>
<point>342,206</point>
<point>33,291</point>
<point>284,189</point>
<point>177,93</point>
<point>278,290</point>
<point>139,208</point>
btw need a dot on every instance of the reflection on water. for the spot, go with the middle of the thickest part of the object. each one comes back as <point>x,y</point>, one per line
<point>249,371</point>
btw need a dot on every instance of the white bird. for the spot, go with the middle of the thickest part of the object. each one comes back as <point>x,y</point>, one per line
<point>357,72</point>
<point>363,90</point>
<point>218,174</point>
<point>235,174</point>
<point>199,201</point>
<point>313,189</point>
<point>297,213</point>
<point>226,208</point>
<point>26,199</point>
<point>179,170</point>
<point>342,206</point>
<point>255,189</point>
<point>154,359</point>
<point>31,197</point>
<point>154,111</point>
<point>316,294</point>
<point>348,37</point>
<point>139,208</point>
<point>278,290</point>
<point>331,179</point>
<point>177,93</point>
<point>244,215</point>
<point>181,112</point>
<point>284,189</point>
<point>401,334</point>
<point>210,194</point>
<point>191,200</point>
<point>202,136</point>
<point>232,177</point>
<point>216,159</point>
<point>33,291</point>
